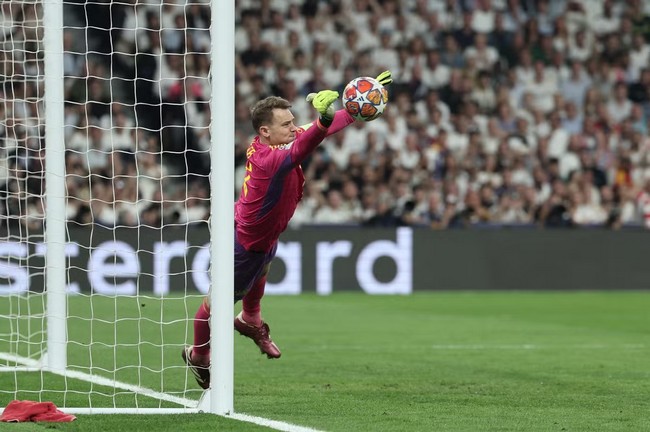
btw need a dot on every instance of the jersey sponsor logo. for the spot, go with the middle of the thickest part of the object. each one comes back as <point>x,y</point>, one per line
<point>282,146</point>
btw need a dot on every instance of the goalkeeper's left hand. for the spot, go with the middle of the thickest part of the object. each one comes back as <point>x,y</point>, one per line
<point>385,78</point>
<point>323,101</point>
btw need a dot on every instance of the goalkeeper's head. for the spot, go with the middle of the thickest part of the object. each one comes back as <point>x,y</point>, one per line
<point>273,121</point>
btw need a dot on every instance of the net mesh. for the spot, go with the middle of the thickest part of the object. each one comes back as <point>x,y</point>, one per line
<point>136,121</point>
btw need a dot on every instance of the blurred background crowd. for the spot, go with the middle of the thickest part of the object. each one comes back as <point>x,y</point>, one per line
<point>503,112</point>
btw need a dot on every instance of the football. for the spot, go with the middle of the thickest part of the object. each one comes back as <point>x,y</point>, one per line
<point>365,99</point>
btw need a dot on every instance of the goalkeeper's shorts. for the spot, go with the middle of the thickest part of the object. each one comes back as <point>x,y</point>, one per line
<point>249,266</point>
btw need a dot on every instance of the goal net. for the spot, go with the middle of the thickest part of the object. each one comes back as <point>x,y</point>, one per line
<point>128,248</point>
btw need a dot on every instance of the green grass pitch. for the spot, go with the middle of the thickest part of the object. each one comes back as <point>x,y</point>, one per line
<point>445,361</point>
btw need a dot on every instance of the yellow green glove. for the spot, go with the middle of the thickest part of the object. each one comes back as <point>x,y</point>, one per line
<point>323,101</point>
<point>385,78</point>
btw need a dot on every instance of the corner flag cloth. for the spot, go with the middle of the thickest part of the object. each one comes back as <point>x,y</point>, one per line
<point>25,411</point>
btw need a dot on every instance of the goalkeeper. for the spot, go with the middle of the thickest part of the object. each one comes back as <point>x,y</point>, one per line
<point>272,189</point>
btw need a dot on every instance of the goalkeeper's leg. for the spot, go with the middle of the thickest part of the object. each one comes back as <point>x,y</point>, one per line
<point>248,268</point>
<point>197,356</point>
<point>251,303</point>
<point>250,278</point>
<point>201,347</point>
<point>249,322</point>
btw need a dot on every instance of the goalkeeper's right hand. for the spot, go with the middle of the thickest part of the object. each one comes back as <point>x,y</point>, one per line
<point>323,101</point>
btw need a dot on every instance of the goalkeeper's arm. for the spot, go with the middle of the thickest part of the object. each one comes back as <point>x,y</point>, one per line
<point>307,141</point>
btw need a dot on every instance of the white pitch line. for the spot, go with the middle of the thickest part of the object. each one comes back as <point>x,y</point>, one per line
<point>273,424</point>
<point>25,361</point>
<point>31,364</point>
<point>99,380</point>
<point>189,403</point>
<point>533,346</point>
<point>19,369</point>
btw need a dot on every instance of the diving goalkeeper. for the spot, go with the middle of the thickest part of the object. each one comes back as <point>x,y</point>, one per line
<point>272,189</point>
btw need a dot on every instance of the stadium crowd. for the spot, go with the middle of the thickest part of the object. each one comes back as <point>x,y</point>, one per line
<point>506,112</point>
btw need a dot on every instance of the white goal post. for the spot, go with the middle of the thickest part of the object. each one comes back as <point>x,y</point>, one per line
<point>113,226</point>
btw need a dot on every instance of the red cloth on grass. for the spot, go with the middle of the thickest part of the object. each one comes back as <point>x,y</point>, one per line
<point>24,411</point>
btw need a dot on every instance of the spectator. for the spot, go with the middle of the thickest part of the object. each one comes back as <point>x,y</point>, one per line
<point>585,211</point>
<point>643,202</point>
<point>619,106</point>
<point>334,210</point>
<point>465,35</point>
<point>480,54</point>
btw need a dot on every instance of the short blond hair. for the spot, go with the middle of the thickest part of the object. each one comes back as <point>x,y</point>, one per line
<point>262,111</point>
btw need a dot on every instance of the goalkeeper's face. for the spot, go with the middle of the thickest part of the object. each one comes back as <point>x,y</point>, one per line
<point>281,130</point>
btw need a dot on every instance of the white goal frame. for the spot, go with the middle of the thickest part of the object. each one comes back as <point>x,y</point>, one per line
<point>219,398</point>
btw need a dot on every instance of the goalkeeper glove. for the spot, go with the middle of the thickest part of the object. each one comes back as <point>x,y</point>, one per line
<point>323,101</point>
<point>385,78</point>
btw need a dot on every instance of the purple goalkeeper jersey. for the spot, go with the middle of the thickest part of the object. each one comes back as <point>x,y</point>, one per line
<point>273,184</point>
